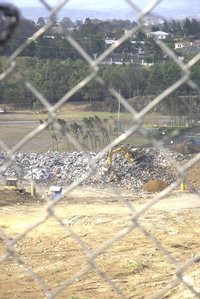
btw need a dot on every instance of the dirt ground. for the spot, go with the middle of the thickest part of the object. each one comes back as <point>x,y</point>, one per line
<point>134,263</point>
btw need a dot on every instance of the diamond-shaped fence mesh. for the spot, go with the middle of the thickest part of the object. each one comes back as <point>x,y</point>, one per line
<point>138,252</point>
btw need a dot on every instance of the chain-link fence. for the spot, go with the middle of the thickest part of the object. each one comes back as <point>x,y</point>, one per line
<point>134,224</point>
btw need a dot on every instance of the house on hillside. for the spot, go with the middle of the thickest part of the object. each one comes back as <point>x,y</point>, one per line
<point>158,34</point>
<point>182,44</point>
<point>179,45</point>
<point>49,36</point>
<point>109,42</point>
<point>147,63</point>
<point>135,42</point>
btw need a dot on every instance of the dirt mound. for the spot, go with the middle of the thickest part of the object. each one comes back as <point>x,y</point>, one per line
<point>193,176</point>
<point>182,148</point>
<point>155,185</point>
<point>187,148</point>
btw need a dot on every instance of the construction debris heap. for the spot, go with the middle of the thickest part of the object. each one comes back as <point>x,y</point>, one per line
<point>65,168</point>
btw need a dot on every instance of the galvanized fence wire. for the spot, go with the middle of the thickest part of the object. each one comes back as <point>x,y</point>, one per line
<point>90,256</point>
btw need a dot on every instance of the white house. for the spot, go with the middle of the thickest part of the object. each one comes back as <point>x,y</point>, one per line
<point>158,34</point>
<point>178,45</point>
<point>181,45</point>
<point>134,42</point>
<point>147,63</point>
<point>109,42</point>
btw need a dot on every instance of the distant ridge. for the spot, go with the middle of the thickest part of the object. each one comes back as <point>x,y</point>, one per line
<point>34,13</point>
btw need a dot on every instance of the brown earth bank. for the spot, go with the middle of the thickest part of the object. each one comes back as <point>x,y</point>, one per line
<point>193,176</point>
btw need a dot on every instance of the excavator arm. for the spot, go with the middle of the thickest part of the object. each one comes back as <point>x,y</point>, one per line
<point>130,153</point>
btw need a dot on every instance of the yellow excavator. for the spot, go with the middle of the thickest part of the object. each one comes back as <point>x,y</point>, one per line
<point>129,152</point>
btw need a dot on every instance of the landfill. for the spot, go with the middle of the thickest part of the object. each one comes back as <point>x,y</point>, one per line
<point>91,169</point>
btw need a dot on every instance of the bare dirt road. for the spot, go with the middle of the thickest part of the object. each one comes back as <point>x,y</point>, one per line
<point>133,263</point>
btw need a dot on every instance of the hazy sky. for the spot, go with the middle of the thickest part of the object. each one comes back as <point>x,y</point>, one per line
<point>111,4</point>
<point>115,8</point>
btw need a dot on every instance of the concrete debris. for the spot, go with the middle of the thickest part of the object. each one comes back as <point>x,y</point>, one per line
<point>64,168</point>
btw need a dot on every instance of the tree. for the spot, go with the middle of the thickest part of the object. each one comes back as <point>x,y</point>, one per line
<point>78,24</point>
<point>41,22</point>
<point>93,91</point>
<point>78,71</point>
<point>45,48</point>
<point>175,106</point>
<point>195,27</point>
<point>187,27</point>
<point>65,50</point>
<point>155,28</point>
<point>176,29</point>
<point>88,28</point>
<point>152,48</point>
<point>66,23</point>
<point>16,93</point>
<point>166,27</point>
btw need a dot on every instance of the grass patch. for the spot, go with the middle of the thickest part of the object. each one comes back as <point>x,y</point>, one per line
<point>81,115</point>
<point>67,115</point>
<point>136,266</point>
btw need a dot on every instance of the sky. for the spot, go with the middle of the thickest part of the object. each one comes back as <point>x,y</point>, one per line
<point>168,8</point>
<point>110,4</point>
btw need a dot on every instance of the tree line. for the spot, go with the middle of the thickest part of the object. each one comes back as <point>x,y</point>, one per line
<point>55,78</point>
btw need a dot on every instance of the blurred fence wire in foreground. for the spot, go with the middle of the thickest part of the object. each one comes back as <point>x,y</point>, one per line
<point>11,17</point>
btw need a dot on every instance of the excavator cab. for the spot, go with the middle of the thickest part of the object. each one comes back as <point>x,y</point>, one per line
<point>129,152</point>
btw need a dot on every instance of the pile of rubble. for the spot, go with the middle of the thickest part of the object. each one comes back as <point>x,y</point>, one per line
<point>64,168</point>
